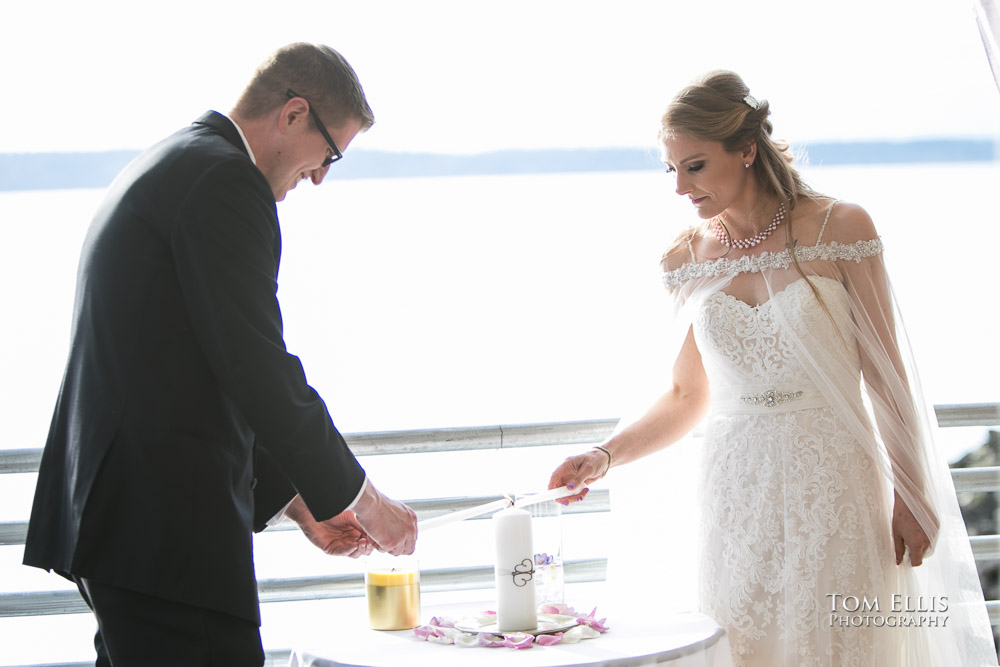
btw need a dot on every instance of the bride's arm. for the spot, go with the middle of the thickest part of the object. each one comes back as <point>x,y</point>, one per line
<point>914,523</point>
<point>671,417</point>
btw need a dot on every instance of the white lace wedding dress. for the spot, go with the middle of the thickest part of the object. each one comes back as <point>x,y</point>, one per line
<point>814,421</point>
<point>793,510</point>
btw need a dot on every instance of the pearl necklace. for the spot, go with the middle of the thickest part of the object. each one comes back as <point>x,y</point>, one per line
<point>749,242</point>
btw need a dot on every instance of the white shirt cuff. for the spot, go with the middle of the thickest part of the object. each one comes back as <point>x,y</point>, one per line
<point>364,485</point>
<point>280,516</point>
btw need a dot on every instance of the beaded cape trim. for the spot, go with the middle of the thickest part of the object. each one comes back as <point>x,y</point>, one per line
<point>773,260</point>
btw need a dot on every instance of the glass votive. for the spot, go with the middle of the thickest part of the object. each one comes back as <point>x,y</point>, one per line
<point>546,536</point>
<point>392,587</point>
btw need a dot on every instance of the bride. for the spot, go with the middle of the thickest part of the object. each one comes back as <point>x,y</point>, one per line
<point>822,500</point>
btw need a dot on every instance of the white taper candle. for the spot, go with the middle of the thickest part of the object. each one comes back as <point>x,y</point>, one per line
<point>544,496</point>
<point>462,515</point>
<point>514,571</point>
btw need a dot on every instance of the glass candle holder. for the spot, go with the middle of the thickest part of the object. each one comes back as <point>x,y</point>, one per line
<point>392,587</point>
<point>546,528</point>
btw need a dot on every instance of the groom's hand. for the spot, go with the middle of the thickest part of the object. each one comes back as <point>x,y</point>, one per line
<point>341,535</point>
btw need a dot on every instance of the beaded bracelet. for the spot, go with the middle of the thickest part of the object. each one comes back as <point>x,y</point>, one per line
<point>609,459</point>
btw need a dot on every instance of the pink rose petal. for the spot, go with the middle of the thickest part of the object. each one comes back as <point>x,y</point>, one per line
<point>518,640</point>
<point>441,629</point>
<point>549,640</point>
<point>432,634</point>
<point>594,623</point>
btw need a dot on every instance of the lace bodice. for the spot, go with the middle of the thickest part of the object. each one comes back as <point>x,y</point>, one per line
<point>746,354</point>
<point>753,354</point>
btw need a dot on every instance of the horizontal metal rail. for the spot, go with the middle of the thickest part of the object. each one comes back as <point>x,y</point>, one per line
<point>976,480</point>
<point>598,500</point>
<point>418,441</point>
<point>967,480</point>
<point>19,460</point>
<point>985,548</point>
<point>510,436</point>
<point>967,414</point>
<point>48,603</point>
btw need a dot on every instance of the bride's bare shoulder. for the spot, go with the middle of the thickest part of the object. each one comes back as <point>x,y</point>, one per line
<point>847,222</point>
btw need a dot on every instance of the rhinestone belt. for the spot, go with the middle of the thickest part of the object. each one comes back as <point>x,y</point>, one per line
<point>770,398</point>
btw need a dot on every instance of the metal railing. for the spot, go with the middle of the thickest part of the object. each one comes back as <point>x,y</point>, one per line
<point>421,441</point>
<point>986,548</point>
<point>509,437</point>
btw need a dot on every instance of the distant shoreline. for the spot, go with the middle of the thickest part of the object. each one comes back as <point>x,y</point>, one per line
<point>55,171</point>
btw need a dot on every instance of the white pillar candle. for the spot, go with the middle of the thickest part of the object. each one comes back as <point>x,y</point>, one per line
<point>514,571</point>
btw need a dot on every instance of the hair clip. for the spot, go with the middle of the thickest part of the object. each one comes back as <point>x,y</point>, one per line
<point>751,101</point>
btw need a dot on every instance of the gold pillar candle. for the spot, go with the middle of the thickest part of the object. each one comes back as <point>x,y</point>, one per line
<point>393,593</point>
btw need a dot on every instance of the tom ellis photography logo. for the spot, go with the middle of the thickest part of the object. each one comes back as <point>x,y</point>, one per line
<point>899,611</point>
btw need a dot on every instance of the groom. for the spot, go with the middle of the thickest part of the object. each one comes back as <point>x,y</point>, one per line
<point>183,424</point>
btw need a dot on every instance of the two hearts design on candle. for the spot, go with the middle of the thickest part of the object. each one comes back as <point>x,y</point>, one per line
<point>523,572</point>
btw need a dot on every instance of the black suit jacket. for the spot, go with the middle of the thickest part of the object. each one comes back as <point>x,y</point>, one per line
<point>182,423</point>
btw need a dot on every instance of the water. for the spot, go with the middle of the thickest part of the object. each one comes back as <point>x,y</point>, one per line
<point>423,303</point>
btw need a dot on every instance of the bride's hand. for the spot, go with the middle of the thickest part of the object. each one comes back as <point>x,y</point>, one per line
<point>907,534</point>
<point>577,472</point>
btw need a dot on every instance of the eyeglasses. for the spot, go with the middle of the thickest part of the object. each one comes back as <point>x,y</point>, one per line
<point>337,155</point>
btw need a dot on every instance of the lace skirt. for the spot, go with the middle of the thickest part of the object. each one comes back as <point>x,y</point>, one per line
<point>795,538</point>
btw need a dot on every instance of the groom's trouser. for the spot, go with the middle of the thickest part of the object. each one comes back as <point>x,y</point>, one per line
<point>135,630</point>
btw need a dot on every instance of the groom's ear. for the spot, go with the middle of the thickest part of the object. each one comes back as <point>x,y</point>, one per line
<point>294,115</point>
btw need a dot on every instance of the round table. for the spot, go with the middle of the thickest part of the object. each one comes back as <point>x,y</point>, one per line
<point>675,639</point>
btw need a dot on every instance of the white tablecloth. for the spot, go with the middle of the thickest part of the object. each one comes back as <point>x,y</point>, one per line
<point>677,640</point>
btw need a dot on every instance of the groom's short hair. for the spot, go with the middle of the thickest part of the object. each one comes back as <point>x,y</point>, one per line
<point>315,72</point>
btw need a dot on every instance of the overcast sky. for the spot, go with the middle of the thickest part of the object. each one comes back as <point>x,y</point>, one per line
<point>471,76</point>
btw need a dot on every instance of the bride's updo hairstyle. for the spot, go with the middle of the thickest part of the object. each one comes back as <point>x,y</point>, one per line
<point>718,107</point>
